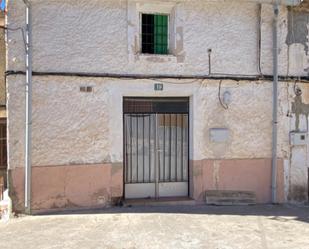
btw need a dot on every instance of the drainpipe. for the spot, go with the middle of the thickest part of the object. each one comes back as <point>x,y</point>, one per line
<point>275,106</point>
<point>28,107</point>
<point>276,4</point>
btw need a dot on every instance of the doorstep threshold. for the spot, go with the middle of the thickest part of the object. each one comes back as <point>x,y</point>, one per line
<point>165,201</point>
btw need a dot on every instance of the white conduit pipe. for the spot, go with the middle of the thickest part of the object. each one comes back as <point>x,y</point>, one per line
<point>275,107</point>
<point>28,111</point>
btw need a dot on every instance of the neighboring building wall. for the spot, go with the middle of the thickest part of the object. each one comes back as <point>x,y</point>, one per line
<point>298,41</point>
<point>3,156</point>
<point>77,137</point>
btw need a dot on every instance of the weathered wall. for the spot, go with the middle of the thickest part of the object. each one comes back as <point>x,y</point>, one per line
<point>91,123</point>
<point>299,164</point>
<point>73,186</point>
<point>93,37</point>
<point>60,113</point>
<point>297,39</point>
<point>72,128</point>
<point>241,174</point>
<point>68,37</point>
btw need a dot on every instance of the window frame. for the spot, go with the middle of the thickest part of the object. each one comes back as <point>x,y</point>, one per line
<point>141,28</point>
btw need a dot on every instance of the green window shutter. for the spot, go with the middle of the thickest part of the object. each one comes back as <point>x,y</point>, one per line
<point>160,34</point>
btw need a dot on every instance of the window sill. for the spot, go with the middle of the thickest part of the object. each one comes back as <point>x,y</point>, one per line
<point>157,58</point>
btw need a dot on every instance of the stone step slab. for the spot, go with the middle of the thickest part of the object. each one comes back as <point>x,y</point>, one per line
<point>224,197</point>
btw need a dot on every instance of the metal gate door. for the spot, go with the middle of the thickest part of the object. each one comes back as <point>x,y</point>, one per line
<point>156,147</point>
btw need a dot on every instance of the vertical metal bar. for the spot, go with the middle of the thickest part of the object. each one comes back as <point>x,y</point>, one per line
<point>182,131</point>
<point>163,147</point>
<point>127,130</point>
<point>125,148</point>
<point>188,151</point>
<point>156,159</point>
<point>176,145</point>
<point>188,145</point>
<point>149,167</point>
<point>143,148</point>
<point>131,156</point>
<point>137,119</point>
<point>170,148</point>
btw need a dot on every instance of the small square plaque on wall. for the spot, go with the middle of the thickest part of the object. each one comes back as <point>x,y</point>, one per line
<point>219,135</point>
<point>158,87</point>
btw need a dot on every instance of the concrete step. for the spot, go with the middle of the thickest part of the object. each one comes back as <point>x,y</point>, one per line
<point>159,202</point>
<point>224,197</point>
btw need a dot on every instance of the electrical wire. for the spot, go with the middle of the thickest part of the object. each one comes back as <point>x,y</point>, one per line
<point>209,61</point>
<point>297,90</point>
<point>259,38</point>
<point>219,96</point>
<point>235,77</point>
<point>288,114</point>
<point>176,83</point>
<point>17,29</point>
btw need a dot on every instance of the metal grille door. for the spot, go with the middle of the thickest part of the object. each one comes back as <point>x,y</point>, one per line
<point>156,150</point>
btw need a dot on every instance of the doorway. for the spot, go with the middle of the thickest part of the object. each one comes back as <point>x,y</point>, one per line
<point>156,147</point>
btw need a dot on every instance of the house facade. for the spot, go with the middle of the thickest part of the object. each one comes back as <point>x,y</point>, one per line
<point>139,99</point>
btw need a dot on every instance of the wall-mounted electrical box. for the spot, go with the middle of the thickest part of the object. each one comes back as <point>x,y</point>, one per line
<point>298,138</point>
<point>219,135</point>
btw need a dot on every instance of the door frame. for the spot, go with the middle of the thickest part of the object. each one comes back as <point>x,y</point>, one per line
<point>189,138</point>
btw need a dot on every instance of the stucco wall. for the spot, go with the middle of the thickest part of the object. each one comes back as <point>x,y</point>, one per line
<point>71,127</point>
<point>83,36</point>
<point>75,128</point>
<point>297,39</point>
<point>97,37</point>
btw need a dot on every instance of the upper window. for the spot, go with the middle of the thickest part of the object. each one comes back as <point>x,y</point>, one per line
<point>154,34</point>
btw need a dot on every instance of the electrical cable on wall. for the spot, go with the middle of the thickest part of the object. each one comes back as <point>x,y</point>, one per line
<point>259,39</point>
<point>176,83</point>
<point>288,114</point>
<point>17,29</point>
<point>297,90</point>
<point>219,96</point>
<point>209,61</point>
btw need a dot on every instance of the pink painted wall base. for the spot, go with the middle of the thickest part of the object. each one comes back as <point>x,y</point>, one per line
<point>236,175</point>
<point>90,186</point>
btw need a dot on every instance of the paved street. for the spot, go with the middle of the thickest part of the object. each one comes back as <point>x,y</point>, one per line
<point>266,227</point>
